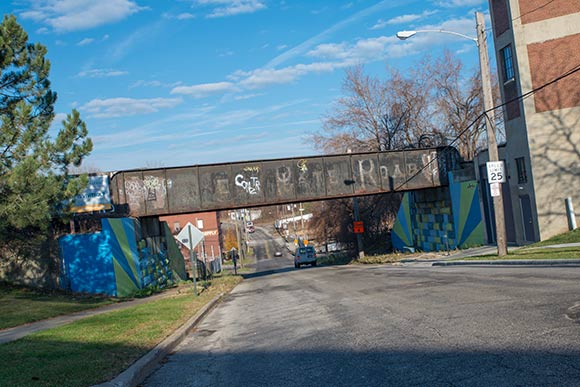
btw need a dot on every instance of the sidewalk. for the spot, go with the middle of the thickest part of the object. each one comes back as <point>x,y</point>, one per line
<point>11,334</point>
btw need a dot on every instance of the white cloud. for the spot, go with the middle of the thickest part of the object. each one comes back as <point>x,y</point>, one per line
<point>74,15</point>
<point>185,16</point>
<point>179,16</point>
<point>459,3</point>
<point>224,8</point>
<point>247,96</point>
<point>317,39</point>
<point>403,19</point>
<point>329,50</point>
<point>264,77</point>
<point>153,83</point>
<point>363,50</point>
<point>101,73</point>
<point>122,107</point>
<point>204,90</point>
<point>85,41</point>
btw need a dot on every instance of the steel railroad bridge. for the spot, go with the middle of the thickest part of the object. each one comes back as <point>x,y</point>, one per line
<point>200,188</point>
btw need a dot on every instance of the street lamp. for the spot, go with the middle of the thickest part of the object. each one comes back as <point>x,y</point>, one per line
<point>403,35</point>
<point>481,41</point>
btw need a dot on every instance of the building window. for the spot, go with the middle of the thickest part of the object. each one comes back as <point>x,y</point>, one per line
<point>522,174</point>
<point>508,63</point>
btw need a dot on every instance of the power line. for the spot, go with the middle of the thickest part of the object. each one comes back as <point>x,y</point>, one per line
<point>568,73</point>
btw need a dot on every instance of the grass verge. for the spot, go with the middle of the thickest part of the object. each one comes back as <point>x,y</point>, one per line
<point>20,305</point>
<point>96,349</point>
<point>344,258</point>
<point>539,251</point>
<point>339,258</point>
<point>568,237</point>
<point>527,253</point>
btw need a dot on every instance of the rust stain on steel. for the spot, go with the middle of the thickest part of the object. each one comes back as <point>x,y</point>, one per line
<point>148,192</point>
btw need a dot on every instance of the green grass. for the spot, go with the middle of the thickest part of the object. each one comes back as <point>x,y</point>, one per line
<point>98,348</point>
<point>535,251</point>
<point>343,258</point>
<point>339,258</point>
<point>568,237</point>
<point>20,305</point>
<point>550,253</point>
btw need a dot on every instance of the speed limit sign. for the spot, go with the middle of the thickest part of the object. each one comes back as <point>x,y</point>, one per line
<point>495,172</point>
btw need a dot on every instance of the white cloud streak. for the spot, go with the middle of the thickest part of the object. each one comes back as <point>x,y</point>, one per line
<point>204,90</point>
<point>402,19</point>
<point>225,8</point>
<point>101,73</point>
<point>85,42</point>
<point>123,107</point>
<point>459,3</point>
<point>74,15</point>
<point>319,38</point>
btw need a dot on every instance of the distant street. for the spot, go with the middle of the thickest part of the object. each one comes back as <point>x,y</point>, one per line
<point>385,325</point>
<point>265,243</point>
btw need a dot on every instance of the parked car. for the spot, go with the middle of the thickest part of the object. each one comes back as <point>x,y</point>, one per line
<point>304,256</point>
<point>251,229</point>
<point>278,254</point>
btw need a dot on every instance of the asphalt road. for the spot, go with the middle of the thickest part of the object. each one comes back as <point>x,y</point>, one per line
<point>384,325</point>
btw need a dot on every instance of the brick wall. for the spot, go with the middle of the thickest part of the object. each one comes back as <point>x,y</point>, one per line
<point>549,60</point>
<point>532,11</point>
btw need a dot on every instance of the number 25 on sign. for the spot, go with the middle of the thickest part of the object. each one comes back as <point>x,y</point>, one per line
<point>495,172</point>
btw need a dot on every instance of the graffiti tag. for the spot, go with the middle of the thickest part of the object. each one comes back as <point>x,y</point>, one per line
<point>252,187</point>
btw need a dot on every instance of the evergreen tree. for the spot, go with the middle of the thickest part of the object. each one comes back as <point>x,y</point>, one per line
<point>34,178</point>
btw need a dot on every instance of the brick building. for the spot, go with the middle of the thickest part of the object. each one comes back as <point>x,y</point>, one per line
<point>207,222</point>
<point>537,45</point>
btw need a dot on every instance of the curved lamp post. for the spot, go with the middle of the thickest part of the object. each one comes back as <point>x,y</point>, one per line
<point>481,41</point>
<point>408,34</point>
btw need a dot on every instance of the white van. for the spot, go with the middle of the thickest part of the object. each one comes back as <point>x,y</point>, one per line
<point>304,256</point>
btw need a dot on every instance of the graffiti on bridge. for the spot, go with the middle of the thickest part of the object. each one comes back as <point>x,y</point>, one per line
<point>246,184</point>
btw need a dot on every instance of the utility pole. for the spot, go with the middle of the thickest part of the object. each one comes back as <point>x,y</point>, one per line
<point>359,241</point>
<point>490,130</point>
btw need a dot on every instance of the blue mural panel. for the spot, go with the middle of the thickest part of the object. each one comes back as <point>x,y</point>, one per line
<point>88,264</point>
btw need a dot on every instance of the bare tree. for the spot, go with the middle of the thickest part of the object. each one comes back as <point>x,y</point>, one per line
<point>459,102</point>
<point>375,115</point>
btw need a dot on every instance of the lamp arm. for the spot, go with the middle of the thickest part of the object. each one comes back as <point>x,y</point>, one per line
<point>451,33</point>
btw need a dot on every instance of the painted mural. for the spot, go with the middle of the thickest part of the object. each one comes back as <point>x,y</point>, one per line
<point>117,261</point>
<point>439,219</point>
<point>467,214</point>
<point>402,233</point>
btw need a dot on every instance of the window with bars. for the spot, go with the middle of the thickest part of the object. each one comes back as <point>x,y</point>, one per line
<point>522,173</point>
<point>508,63</point>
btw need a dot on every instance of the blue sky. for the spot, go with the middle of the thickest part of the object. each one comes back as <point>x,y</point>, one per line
<point>184,82</point>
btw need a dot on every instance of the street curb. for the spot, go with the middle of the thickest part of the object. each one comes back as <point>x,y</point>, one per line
<point>143,367</point>
<point>544,262</point>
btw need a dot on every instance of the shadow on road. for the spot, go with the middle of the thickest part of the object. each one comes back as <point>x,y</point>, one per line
<point>403,367</point>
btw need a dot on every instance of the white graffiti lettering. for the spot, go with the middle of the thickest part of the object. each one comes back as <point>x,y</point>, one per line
<point>252,187</point>
<point>430,159</point>
<point>384,171</point>
<point>368,172</point>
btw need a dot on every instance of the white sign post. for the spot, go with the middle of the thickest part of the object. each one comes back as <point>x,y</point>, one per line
<point>190,236</point>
